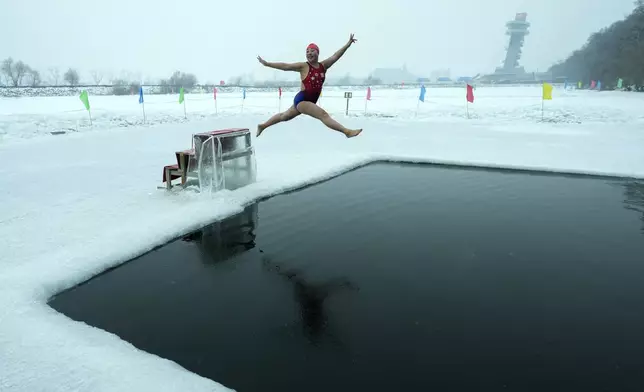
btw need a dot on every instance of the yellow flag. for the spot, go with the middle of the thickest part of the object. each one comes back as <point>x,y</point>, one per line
<point>547,91</point>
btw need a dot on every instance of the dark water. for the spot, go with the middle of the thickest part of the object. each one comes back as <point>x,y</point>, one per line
<point>397,277</point>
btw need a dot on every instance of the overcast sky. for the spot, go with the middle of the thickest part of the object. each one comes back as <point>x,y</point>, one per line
<point>218,39</point>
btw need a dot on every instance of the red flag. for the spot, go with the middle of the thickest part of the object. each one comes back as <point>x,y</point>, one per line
<point>470,94</point>
<point>368,93</point>
<point>280,91</point>
<point>214,93</point>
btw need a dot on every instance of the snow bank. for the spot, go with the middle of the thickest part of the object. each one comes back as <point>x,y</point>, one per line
<point>77,204</point>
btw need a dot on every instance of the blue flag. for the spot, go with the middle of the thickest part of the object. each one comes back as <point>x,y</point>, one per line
<point>422,93</point>
<point>244,93</point>
<point>599,85</point>
<point>141,94</point>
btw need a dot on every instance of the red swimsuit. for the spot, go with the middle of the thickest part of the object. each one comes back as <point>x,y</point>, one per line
<point>312,85</point>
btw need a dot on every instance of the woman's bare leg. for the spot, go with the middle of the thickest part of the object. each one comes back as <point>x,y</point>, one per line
<point>315,111</point>
<point>289,114</point>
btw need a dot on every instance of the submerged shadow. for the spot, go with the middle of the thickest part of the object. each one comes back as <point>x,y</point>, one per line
<point>310,298</point>
<point>634,198</point>
<point>224,239</point>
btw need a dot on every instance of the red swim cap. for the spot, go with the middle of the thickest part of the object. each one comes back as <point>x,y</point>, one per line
<point>313,46</point>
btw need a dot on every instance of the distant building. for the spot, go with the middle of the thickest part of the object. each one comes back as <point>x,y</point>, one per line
<point>510,71</point>
<point>439,74</point>
<point>394,75</point>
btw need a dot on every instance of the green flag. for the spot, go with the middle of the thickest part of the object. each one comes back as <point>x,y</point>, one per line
<point>181,95</point>
<point>620,82</point>
<point>579,85</point>
<point>84,99</point>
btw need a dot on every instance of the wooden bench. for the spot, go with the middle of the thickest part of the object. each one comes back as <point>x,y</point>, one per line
<point>180,170</point>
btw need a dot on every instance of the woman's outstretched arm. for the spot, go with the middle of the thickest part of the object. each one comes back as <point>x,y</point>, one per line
<point>281,66</point>
<point>336,56</point>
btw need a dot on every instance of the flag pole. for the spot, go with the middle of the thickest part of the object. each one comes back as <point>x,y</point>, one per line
<point>184,109</point>
<point>417,106</point>
<point>142,102</point>
<point>214,96</point>
<point>89,111</point>
<point>542,102</point>
<point>467,100</point>
<point>243,99</point>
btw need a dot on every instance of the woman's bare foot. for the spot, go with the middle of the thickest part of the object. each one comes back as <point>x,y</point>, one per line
<point>352,132</point>
<point>260,129</point>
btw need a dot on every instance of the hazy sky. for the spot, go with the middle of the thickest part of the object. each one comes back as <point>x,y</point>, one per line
<point>218,39</point>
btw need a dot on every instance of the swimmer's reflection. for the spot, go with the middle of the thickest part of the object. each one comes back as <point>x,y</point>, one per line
<point>224,239</point>
<point>634,198</point>
<point>310,298</point>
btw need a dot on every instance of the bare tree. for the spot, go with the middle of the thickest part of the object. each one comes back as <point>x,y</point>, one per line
<point>21,69</point>
<point>54,75</point>
<point>4,67</point>
<point>71,77</point>
<point>137,77</point>
<point>8,71</point>
<point>35,77</point>
<point>97,76</point>
<point>125,75</point>
<point>14,72</point>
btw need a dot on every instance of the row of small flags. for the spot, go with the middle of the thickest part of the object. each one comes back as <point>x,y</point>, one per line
<point>595,84</point>
<point>85,98</point>
<point>469,96</point>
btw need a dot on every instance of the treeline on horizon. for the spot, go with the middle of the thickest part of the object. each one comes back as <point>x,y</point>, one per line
<point>613,53</point>
<point>18,74</point>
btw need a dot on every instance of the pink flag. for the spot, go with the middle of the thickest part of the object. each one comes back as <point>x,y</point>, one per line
<point>368,93</point>
<point>470,94</point>
<point>593,84</point>
<point>214,93</point>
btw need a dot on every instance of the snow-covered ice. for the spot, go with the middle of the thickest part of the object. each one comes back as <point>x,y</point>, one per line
<point>36,116</point>
<point>76,204</point>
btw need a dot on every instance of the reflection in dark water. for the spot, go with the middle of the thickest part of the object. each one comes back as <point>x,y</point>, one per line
<point>634,198</point>
<point>310,297</point>
<point>224,239</point>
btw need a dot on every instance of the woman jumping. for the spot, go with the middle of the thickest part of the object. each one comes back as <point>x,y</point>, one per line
<point>312,75</point>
